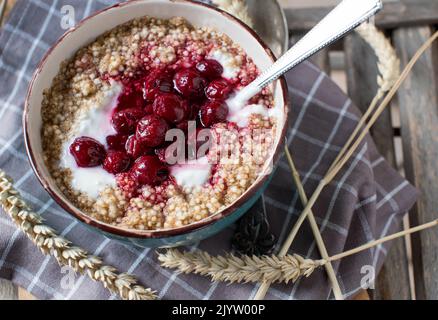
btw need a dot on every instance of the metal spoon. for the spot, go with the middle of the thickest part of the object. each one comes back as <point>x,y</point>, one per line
<point>345,17</point>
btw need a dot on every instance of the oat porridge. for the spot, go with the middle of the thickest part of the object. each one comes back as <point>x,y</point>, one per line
<point>109,112</point>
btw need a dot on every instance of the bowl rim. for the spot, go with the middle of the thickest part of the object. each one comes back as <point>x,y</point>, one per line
<point>149,234</point>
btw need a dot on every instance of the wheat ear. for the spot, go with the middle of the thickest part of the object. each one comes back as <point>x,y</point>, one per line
<point>273,269</point>
<point>46,239</point>
<point>245,269</point>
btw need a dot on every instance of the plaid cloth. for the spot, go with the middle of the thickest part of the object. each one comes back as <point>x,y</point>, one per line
<point>366,201</point>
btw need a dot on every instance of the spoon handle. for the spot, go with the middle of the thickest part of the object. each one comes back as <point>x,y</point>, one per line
<point>345,17</point>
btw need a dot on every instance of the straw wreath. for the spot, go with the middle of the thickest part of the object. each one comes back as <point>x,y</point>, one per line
<point>46,239</point>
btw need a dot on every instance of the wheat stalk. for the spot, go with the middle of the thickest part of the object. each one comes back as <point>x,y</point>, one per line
<point>237,8</point>
<point>315,229</point>
<point>46,239</point>
<point>244,269</point>
<point>272,269</point>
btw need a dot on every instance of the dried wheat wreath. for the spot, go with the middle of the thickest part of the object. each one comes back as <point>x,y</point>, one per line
<point>234,269</point>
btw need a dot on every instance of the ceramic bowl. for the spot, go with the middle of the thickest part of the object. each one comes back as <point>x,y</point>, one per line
<point>88,30</point>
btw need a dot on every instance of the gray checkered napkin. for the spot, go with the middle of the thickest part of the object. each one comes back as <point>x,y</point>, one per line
<point>366,201</point>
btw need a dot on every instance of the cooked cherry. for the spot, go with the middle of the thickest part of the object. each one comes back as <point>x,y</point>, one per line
<point>218,89</point>
<point>135,148</point>
<point>116,162</point>
<point>183,126</point>
<point>159,81</point>
<point>87,152</point>
<point>170,107</point>
<point>171,154</point>
<point>213,112</point>
<point>149,108</point>
<point>125,121</point>
<point>192,110</point>
<point>189,83</point>
<point>116,142</point>
<point>151,131</point>
<point>161,154</point>
<point>211,69</point>
<point>131,97</point>
<point>149,170</point>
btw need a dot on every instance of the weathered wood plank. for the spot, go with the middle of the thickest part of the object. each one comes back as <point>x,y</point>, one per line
<point>393,280</point>
<point>419,117</point>
<point>394,14</point>
<point>361,65</point>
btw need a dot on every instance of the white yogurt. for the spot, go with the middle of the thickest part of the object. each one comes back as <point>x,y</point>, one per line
<point>192,174</point>
<point>242,116</point>
<point>94,123</point>
<point>240,112</point>
<point>91,181</point>
<point>228,62</point>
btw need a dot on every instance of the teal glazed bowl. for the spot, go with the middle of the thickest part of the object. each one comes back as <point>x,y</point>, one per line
<point>86,31</point>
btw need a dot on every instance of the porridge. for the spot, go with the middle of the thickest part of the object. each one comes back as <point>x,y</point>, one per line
<point>110,111</point>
